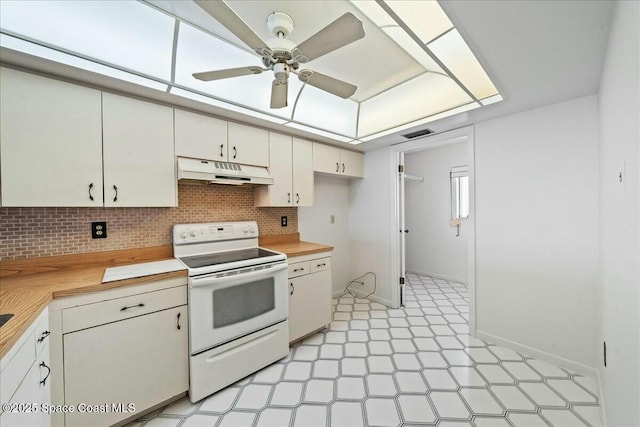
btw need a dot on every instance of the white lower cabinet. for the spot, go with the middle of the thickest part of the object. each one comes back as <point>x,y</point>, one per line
<point>26,382</point>
<point>121,352</point>
<point>309,294</point>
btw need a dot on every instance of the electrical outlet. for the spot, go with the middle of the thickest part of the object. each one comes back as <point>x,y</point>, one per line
<point>283,221</point>
<point>99,230</point>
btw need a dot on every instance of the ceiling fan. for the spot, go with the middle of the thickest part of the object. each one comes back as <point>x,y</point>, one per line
<point>281,55</point>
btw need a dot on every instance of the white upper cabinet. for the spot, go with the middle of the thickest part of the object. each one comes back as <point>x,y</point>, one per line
<point>50,142</point>
<point>302,192</point>
<point>139,158</point>
<point>336,161</point>
<point>248,145</point>
<point>291,167</point>
<point>326,159</point>
<point>200,137</point>
<point>351,163</point>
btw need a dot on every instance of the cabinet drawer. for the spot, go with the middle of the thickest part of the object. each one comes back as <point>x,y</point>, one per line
<point>299,269</point>
<point>320,264</point>
<point>86,316</point>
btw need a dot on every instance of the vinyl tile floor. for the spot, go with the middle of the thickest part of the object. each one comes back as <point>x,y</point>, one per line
<point>416,365</point>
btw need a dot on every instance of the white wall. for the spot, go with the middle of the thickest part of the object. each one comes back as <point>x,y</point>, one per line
<point>536,230</point>
<point>331,197</point>
<point>432,247</point>
<point>619,102</point>
<point>370,219</point>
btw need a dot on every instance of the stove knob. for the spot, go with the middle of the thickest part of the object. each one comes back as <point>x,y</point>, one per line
<point>245,230</point>
<point>192,234</point>
<point>253,230</point>
<point>183,235</point>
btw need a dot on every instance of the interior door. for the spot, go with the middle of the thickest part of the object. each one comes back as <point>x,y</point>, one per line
<point>403,226</point>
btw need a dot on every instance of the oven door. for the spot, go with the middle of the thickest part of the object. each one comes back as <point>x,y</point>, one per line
<point>225,306</point>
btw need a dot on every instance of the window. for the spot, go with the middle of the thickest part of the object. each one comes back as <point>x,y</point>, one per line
<point>459,192</point>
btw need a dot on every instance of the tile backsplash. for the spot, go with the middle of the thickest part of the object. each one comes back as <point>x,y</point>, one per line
<point>38,232</point>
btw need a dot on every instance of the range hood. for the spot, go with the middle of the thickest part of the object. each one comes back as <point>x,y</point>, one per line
<point>216,172</point>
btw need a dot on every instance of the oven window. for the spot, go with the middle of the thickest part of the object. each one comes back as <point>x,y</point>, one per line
<point>242,302</point>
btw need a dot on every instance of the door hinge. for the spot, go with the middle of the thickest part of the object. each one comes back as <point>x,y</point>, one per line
<point>400,168</point>
<point>402,280</point>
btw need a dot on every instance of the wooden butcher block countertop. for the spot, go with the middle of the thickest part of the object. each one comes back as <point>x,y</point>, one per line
<point>290,245</point>
<point>27,286</point>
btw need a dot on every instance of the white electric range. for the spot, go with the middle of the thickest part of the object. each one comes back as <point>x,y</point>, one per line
<point>238,303</point>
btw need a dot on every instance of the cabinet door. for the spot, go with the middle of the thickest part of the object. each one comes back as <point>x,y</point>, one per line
<point>326,158</point>
<point>248,145</point>
<point>139,159</point>
<point>280,170</point>
<point>142,360</point>
<point>200,137</point>
<point>309,303</point>
<point>351,163</point>
<point>302,172</point>
<point>50,142</point>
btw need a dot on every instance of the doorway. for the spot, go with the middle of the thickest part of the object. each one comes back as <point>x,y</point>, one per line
<point>454,205</point>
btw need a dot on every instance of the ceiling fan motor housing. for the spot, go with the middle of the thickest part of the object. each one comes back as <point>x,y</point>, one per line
<point>280,24</point>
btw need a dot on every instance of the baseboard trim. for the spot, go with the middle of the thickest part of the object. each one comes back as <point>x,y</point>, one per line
<point>438,276</point>
<point>359,294</point>
<point>571,365</point>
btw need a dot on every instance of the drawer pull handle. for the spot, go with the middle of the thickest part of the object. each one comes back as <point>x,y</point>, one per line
<point>221,147</point>
<point>292,289</point>
<point>298,198</point>
<point>131,306</point>
<point>43,335</point>
<point>321,265</point>
<point>44,365</point>
<point>337,167</point>
<point>295,270</point>
<point>115,198</point>
<point>178,321</point>
<point>90,190</point>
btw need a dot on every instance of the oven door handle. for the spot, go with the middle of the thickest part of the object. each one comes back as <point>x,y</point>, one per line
<point>242,274</point>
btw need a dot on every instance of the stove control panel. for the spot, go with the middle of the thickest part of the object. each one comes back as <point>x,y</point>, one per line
<point>213,232</point>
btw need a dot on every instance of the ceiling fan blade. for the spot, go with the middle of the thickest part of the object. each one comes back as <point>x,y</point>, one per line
<point>340,32</point>
<point>207,76</point>
<point>232,22</point>
<point>326,83</point>
<point>279,94</point>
